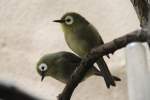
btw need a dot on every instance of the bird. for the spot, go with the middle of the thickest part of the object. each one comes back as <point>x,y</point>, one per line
<point>61,65</point>
<point>81,36</point>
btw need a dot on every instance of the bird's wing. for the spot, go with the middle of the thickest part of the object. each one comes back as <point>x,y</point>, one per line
<point>97,36</point>
<point>95,33</point>
<point>71,57</point>
<point>66,63</point>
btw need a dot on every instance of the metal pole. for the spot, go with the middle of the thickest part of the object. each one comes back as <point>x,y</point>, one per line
<point>138,76</point>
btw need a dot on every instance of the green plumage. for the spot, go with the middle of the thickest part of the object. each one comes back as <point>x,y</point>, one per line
<point>61,65</point>
<point>81,37</point>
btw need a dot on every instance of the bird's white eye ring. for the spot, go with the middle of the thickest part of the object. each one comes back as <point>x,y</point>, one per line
<point>43,67</point>
<point>69,20</point>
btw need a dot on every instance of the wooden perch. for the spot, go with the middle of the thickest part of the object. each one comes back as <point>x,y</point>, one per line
<point>142,8</point>
<point>107,48</point>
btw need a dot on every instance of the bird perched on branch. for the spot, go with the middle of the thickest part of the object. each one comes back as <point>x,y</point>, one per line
<point>81,37</point>
<point>61,65</point>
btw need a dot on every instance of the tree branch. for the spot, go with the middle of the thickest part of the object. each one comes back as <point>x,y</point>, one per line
<point>107,48</point>
<point>142,8</point>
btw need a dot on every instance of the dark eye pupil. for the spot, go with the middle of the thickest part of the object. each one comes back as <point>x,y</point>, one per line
<point>43,68</point>
<point>68,20</point>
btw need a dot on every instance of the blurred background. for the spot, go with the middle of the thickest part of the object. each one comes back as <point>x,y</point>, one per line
<point>27,32</point>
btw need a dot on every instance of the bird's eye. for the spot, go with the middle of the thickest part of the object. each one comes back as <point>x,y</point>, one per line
<point>69,20</point>
<point>43,67</point>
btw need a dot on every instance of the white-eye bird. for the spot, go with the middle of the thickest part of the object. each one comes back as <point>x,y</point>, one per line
<point>61,65</point>
<point>81,37</point>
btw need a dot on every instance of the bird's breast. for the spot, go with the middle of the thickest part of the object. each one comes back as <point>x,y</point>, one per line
<point>77,44</point>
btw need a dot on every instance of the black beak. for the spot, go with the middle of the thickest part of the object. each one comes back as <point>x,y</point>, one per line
<point>43,75</point>
<point>59,21</point>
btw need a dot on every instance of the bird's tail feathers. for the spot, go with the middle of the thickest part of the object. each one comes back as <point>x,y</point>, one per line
<point>98,73</point>
<point>106,73</point>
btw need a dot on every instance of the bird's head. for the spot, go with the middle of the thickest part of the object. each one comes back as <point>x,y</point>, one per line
<point>72,20</point>
<point>42,69</point>
<point>44,66</point>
